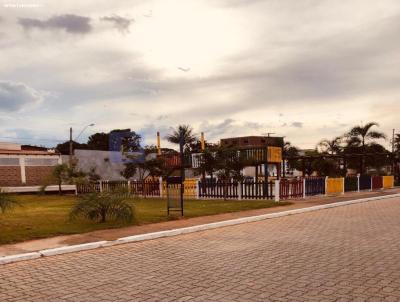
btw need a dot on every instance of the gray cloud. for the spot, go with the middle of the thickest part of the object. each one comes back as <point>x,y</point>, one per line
<point>72,24</point>
<point>120,23</point>
<point>14,96</point>
<point>297,124</point>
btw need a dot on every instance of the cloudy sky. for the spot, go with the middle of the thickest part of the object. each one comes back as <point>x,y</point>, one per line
<point>305,69</point>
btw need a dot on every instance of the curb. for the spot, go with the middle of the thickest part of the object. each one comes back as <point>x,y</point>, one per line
<point>181,231</point>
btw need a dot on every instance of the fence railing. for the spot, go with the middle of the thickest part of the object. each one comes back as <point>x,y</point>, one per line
<point>212,188</point>
<point>143,188</point>
<point>282,189</point>
<point>314,186</point>
<point>291,188</point>
<point>351,184</point>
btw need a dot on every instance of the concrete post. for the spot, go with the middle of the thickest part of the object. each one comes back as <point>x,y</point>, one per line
<point>343,186</point>
<point>22,167</point>
<point>197,189</point>
<point>129,187</point>
<point>101,186</point>
<point>372,184</point>
<point>161,186</point>
<point>277,190</point>
<point>304,188</point>
<point>358,183</point>
<point>326,186</point>
<point>239,190</point>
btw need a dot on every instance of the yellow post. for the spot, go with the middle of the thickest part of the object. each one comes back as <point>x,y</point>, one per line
<point>158,143</point>
<point>203,144</point>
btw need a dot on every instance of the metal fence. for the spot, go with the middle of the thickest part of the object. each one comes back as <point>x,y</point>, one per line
<point>291,188</point>
<point>315,186</point>
<point>217,188</point>
<point>351,184</point>
<point>143,188</point>
<point>249,189</point>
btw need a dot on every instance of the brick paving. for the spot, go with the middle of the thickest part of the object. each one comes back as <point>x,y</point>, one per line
<point>350,253</point>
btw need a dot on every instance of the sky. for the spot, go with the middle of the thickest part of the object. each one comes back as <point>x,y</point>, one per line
<point>306,69</point>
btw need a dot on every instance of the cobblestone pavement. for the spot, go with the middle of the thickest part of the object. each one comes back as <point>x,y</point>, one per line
<point>350,253</point>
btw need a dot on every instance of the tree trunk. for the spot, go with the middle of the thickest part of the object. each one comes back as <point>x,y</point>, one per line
<point>103,216</point>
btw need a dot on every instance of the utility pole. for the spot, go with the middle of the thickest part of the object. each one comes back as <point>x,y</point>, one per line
<point>181,150</point>
<point>393,157</point>
<point>70,147</point>
<point>394,130</point>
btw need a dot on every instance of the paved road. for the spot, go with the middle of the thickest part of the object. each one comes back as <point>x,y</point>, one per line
<point>350,253</point>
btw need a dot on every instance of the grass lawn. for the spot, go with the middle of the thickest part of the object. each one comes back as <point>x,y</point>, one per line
<point>47,215</point>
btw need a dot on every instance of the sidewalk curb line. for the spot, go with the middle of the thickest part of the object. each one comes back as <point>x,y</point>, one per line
<point>181,231</point>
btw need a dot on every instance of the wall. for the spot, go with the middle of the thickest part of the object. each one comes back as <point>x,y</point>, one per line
<point>37,175</point>
<point>23,169</point>
<point>10,176</point>
<point>103,162</point>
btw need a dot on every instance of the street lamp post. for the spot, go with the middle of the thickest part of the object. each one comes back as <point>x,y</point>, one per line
<point>71,142</point>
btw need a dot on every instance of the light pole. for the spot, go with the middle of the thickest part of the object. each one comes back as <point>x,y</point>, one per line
<point>70,141</point>
<point>80,133</point>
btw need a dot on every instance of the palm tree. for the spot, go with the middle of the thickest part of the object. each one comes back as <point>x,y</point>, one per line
<point>104,206</point>
<point>363,135</point>
<point>397,143</point>
<point>330,146</point>
<point>7,202</point>
<point>182,133</point>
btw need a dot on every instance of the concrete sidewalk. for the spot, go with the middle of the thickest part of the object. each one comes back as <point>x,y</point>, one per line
<point>113,234</point>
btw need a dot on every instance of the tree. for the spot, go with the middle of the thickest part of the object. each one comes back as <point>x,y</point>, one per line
<point>102,207</point>
<point>229,165</point>
<point>290,151</point>
<point>184,133</point>
<point>129,171</point>
<point>118,138</point>
<point>363,135</point>
<point>98,141</point>
<point>63,148</point>
<point>325,167</point>
<point>208,163</point>
<point>149,168</point>
<point>360,139</point>
<point>333,146</point>
<point>62,174</point>
<point>397,143</point>
<point>7,202</point>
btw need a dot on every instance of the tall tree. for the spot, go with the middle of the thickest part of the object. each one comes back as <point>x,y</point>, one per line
<point>290,151</point>
<point>333,146</point>
<point>118,138</point>
<point>63,148</point>
<point>184,133</point>
<point>360,139</point>
<point>397,143</point>
<point>363,135</point>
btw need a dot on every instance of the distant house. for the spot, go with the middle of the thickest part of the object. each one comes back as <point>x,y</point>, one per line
<point>25,165</point>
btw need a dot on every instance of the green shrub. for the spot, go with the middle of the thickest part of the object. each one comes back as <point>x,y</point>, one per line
<point>102,207</point>
<point>7,202</point>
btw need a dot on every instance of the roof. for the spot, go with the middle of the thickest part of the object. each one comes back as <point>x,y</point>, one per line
<point>27,152</point>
